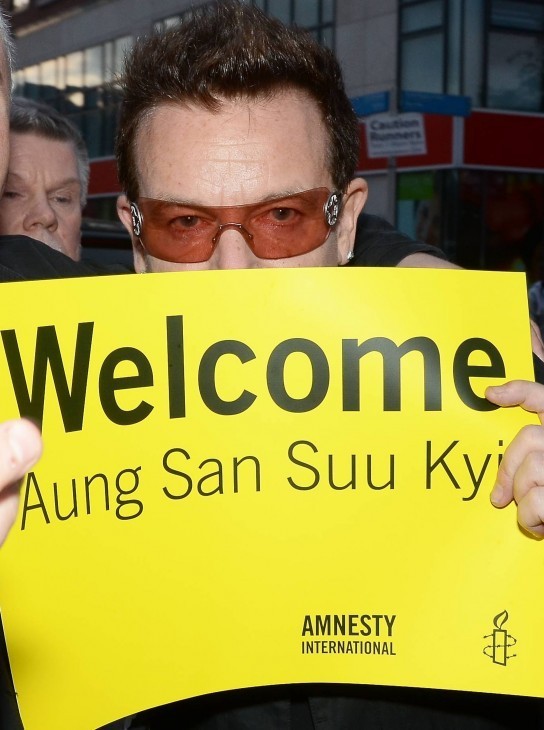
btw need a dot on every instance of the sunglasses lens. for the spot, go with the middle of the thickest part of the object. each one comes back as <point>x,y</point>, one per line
<point>275,229</point>
<point>174,232</point>
<point>291,226</point>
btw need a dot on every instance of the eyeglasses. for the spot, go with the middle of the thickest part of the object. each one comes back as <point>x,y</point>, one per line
<point>274,229</point>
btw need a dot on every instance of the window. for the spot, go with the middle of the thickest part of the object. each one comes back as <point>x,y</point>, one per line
<point>424,16</point>
<point>173,20</point>
<point>18,5</point>
<point>32,82</point>
<point>513,14</point>
<point>316,16</point>
<point>483,219</point>
<point>422,27</point>
<point>422,64</point>
<point>490,50</point>
<point>515,59</point>
<point>74,79</point>
<point>82,86</point>
<point>472,62</point>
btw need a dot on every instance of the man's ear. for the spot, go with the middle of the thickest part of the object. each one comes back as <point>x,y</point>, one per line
<point>125,216</point>
<point>352,204</point>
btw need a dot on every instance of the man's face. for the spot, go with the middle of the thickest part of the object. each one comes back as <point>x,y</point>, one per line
<point>42,193</point>
<point>249,151</point>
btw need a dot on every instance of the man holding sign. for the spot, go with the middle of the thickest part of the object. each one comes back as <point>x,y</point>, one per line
<point>237,149</point>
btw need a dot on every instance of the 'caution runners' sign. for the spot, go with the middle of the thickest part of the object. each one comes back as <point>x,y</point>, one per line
<point>395,135</point>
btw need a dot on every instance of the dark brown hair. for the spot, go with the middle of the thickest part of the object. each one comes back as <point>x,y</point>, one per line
<point>230,50</point>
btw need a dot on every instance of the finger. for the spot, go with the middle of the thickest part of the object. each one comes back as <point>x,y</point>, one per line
<point>536,340</point>
<point>529,475</point>
<point>530,440</point>
<point>524,393</point>
<point>20,448</point>
<point>531,512</point>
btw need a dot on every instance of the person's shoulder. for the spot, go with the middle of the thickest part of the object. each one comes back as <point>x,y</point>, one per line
<point>537,289</point>
<point>378,243</point>
<point>25,259</point>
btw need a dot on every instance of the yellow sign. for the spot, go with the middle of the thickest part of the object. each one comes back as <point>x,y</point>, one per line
<point>264,477</point>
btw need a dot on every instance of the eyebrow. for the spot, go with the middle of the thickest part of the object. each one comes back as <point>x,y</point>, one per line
<point>62,184</point>
<point>67,182</point>
<point>187,202</point>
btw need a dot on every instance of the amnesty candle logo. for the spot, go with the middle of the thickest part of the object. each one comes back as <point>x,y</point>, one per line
<point>347,630</point>
<point>501,641</point>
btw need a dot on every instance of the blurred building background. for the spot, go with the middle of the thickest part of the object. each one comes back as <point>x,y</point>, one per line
<point>476,184</point>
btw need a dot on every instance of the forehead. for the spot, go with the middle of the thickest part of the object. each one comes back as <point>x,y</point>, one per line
<point>248,149</point>
<point>42,152</point>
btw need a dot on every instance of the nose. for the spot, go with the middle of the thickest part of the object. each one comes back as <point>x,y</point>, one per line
<point>232,250</point>
<point>40,214</point>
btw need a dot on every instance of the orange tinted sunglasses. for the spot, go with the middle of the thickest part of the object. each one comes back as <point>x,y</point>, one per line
<point>278,228</point>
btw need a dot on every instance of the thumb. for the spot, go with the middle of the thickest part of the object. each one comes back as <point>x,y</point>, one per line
<point>524,393</point>
<point>20,448</point>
